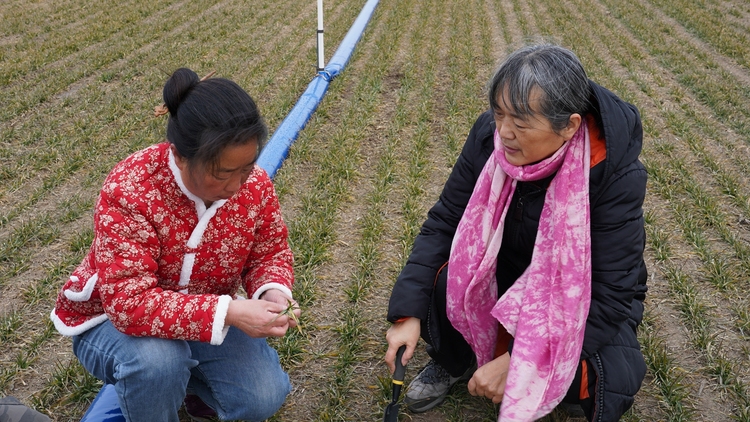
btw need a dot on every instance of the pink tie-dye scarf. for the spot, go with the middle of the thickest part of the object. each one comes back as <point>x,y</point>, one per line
<point>546,308</point>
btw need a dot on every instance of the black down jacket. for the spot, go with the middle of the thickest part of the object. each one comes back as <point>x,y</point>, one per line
<point>617,190</point>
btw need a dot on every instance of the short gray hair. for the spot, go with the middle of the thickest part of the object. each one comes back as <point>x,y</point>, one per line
<point>555,70</point>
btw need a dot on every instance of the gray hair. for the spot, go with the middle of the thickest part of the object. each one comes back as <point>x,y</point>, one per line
<point>558,74</point>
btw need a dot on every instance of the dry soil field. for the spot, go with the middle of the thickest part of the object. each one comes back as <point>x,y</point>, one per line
<point>79,80</point>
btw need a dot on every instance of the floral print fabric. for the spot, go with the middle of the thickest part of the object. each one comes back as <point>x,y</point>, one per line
<point>162,264</point>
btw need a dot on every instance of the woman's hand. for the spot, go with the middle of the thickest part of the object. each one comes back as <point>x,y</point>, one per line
<point>259,318</point>
<point>489,380</point>
<point>277,296</point>
<point>404,332</point>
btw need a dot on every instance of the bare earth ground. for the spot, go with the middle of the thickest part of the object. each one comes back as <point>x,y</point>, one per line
<point>79,82</point>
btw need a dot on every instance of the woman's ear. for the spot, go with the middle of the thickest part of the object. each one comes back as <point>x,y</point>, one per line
<point>574,122</point>
<point>179,160</point>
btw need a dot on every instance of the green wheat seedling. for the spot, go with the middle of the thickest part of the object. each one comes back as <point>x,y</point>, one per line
<point>686,131</point>
<point>113,28</point>
<point>43,291</point>
<point>39,232</point>
<point>717,268</point>
<point>732,41</point>
<point>694,311</point>
<point>90,129</point>
<point>658,240</point>
<point>418,165</point>
<point>75,108</point>
<point>456,404</point>
<point>26,356</point>
<point>666,372</point>
<point>522,21</point>
<point>292,347</point>
<point>312,235</point>
<point>6,377</point>
<point>692,231</point>
<point>289,312</point>
<point>725,373</point>
<point>706,81</point>
<point>69,390</point>
<point>351,330</point>
<point>14,255</point>
<point>384,389</point>
<point>9,325</point>
<point>698,319</point>
<point>706,203</point>
<point>742,312</point>
<point>368,252</point>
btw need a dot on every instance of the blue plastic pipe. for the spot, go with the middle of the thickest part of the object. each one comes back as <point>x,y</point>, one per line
<point>346,48</point>
<point>105,407</point>
<point>277,148</point>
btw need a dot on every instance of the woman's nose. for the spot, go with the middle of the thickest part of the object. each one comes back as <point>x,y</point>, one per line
<point>234,184</point>
<point>504,130</point>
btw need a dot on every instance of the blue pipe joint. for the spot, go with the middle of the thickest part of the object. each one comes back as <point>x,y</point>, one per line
<point>326,75</point>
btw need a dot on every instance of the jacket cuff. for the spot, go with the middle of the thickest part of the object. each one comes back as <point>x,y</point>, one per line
<point>268,286</point>
<point>220,329</point>
<point>74,330</point>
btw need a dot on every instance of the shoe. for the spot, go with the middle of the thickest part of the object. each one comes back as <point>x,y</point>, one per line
<point>431,386</point>
<point>198,410</point>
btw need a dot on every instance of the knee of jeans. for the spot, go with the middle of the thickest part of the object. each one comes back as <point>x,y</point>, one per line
<point>158,360</point>
<point>265,402</point>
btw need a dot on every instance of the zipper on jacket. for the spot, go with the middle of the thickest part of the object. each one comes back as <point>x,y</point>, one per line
<point>528,192</point>
<point>598,410</point>
<point>518,213</point>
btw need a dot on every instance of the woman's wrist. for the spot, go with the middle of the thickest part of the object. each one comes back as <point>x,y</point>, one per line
<point>229,319</point>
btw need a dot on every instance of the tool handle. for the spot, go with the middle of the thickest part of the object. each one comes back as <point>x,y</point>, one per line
<point>398,374</point>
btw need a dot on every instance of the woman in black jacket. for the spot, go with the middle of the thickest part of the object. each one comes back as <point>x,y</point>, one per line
<point>541,222</point>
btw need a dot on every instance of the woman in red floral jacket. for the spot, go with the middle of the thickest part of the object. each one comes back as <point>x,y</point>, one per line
<point>179,228</point>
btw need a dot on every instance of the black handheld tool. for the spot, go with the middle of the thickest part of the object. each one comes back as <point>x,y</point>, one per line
<point>391,411</point>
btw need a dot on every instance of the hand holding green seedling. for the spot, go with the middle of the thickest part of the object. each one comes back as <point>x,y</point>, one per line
<point>263,318</point>
<point>292,308</point>
<point>291,311</point>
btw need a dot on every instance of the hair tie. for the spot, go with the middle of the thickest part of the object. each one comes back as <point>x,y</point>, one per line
<point>162,109</point>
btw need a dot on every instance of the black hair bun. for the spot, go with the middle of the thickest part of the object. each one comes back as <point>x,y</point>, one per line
<point>177,87</point>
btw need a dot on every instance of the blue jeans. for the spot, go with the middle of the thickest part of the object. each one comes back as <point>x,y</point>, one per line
<point>241,379</point>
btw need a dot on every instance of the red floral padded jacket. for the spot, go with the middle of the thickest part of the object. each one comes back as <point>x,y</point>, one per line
<point>163,265</point>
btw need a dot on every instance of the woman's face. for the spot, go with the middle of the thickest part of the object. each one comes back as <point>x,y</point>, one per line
<point>529,139</point>
<point>232,170</point>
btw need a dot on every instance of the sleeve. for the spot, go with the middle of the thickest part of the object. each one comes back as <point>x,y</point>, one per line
<point>411,293</point>
<point>126,248</point>
<point>617,244</point>
<point>270,263</point>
